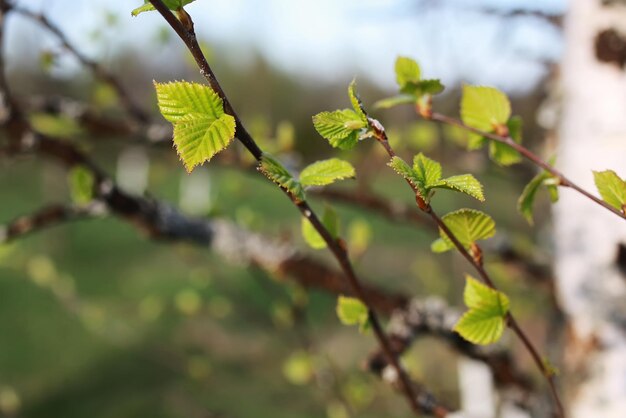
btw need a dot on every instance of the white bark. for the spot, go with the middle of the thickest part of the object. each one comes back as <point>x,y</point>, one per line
<point>592,136</point>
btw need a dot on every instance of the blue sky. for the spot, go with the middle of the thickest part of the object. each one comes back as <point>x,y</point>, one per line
<point>331,39</point>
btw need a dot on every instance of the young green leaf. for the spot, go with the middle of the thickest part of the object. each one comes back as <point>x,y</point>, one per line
<point>201,128</point>
<point>612,188</point>
<point>322,173</point>
<point>484,108</point>
<point>395,101</point>
<point>468,225</point>
<point>409,78</point>
<point>310,234</point>
<point>427,171</point>
<point>171,4</point>
<point>341,128</point>
<point>276,172</point>
<point>402,168</point>
<point>407,71</point>
<point>81,182</point>
<point>464,183</point>
<point>426,176</point>
<point>352,311</point>
<point>484,322</point>
<point>527,198</point>
<point>356,101</point>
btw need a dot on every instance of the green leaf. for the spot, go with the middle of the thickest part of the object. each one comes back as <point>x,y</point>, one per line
<point>407,71</point>
<point>402,168</point>
<point>198,138</point>
<point>356,102</point>
<point>527,198</point>
<point>484,322</point>
<point>426,175</point>
<point>310,234</point>
<point>341,128</point>
<point>439,246</point>
<point>430,87</point>
<point>464,183</point>
<point>276,172</point>
<point>201,128</point>
<point>81,182</point>
<point>484,108</point>
<point>427,171</point>
<point>468,225</point>
<point>322,173</point>
<point>395,101</point>
<point>612,188</point>
<point>180,98</point>
<point>171,4</point>
<point>352,311</point>
<point>503,154</point>
<point>423,88</point>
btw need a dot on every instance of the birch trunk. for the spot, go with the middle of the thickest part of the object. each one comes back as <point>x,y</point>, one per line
<point>591,285</point>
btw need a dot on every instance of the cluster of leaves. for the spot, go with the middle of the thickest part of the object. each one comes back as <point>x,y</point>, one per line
<point>413,90</point>
<point>344,128</point>
<point>201,127</point>
<point>467,225</point>
<point>426,174</point>
<point>320,173</point>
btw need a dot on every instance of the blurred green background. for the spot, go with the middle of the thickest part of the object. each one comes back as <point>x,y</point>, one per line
<point>97,320</point>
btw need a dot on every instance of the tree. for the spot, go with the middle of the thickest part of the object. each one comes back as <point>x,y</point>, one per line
<point>205,123</point>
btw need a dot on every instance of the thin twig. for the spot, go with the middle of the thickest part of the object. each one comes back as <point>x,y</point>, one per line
<point>529,155</point>
<point>381,137</point>
<point>98,70</point>
<point>185,30</point>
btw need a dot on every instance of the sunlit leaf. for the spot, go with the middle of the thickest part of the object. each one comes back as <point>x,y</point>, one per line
<point>201,128</point>
<point>464,183</point>
<point>171,4</point>
<point>611,187</point>
<point>276,172</point>
<point>322,173</point>
<point>468,225</point>
<point>484,108</point>
<point>484,322</point>
<point>341,128</point>
<point>357,105</point>
<point>352,311</point>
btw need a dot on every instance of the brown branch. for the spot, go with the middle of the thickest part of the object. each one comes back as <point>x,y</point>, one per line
<point>185,30</point>
<point>476,262</point>
<point>529,155</point>
<point>45,218</point>
<point>432,317</point>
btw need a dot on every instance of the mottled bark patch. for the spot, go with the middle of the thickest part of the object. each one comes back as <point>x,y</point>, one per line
<point>611,47</point>
<point>620,260</point>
